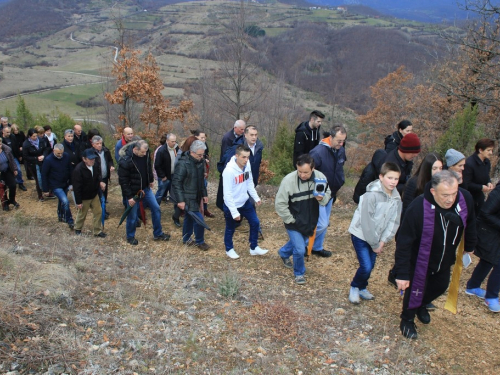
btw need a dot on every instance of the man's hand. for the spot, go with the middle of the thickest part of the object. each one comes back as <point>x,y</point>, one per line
<point>79,206</point>
<point>40,158</point>
<point>402,284</point>
<point>181,205</point>
<point>164,178</point>
<point>111,169</point>
<point>258,203</point>
<point>131,202</point>
<point>205,199</point>
<point>103,186</point>
<point>15,173</point>
<point>319,198</point>
<point>238,218</point>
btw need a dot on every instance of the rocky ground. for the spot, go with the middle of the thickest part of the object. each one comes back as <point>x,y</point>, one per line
<point>100,306</point>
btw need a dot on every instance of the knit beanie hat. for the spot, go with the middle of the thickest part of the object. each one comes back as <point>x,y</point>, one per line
<point>410,144</point>
<point>453,157</point>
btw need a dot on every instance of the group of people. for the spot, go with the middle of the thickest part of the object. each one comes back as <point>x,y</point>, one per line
<point>429,212</point>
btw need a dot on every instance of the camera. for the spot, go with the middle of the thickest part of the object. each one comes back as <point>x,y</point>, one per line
<point>320,185</point>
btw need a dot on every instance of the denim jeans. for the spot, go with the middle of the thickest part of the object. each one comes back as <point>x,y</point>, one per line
<point>163,187</point>
<point>150,200</point>
<point>39,176</point>
<point>247,211</point>
<point>19,177</point>
<point>323,221</point>
<point>63,211</point>
<point>479,274</point>
<point>366,257</point>
<point>190,225</point>
<point>295,247</point>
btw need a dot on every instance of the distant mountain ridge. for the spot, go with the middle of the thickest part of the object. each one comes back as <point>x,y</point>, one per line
<point>435,11</point>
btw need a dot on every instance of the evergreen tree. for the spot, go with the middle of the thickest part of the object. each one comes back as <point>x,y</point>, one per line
<point>24,118</point>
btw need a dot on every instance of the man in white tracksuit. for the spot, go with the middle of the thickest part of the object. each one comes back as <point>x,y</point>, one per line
<point>238,188</point>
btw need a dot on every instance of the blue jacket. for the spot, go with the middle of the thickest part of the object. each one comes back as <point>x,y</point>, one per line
<point>331,162</point>
<point>56,173</point>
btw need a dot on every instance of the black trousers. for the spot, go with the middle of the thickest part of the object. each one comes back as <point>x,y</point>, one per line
<point>435,285</point>
<point>10,182</point>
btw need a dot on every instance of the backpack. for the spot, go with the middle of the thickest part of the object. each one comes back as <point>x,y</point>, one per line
<point>230,152</point>
<point>370,173</point>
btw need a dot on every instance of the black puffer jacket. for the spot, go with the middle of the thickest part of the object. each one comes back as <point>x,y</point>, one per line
<point>129,176</point>
<point>85,183</point>
<point>188,181</point>
<point>488,229</point>
<point>392,141</point>
<point>73,151</point>
<point>475,175</point>
<point>305,140</point>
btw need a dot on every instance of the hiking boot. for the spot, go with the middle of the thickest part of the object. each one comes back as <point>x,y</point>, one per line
<point>209,214</point>
<point>177,223</point>
<point>16,205</point>
<point>423,315</point>
<point>106,216</point>
<point>78,232</point>
<point>100,235</point>
<point>258,251</point>
<point>22,187</point>
<point>232,254</point>
<point>408,329</point>
<point>286,262</point>
<point>354,295</point>
<point>300,280</point>
<point>322,253</point>
<point>71,226</point>
<point>391,278</point>
<point>138,224</point>
<point>162,237</point>
<point>365,294</point>
<point>132,241</point>
<point>202,246</point>
<point>492,304</point>
<point>6,207</point>
<point>478,292</point>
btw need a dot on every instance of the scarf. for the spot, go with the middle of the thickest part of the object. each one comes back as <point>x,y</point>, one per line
<point>35,143</point>
<point>124,142</point>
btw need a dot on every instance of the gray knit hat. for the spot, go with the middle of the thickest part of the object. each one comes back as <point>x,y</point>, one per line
<point>453,157</point>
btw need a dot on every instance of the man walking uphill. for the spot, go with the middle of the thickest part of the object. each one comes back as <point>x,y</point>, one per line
<point>307,135</point>
<point>135,176</point>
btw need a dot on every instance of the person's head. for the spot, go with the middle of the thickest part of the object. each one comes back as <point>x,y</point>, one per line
<point>315,119</point>
<point>338,135</point>
<point>171,140</point>
<point>484,148</point>
<point>187,143</point>
<point>6,132</point>
<point>251,135</point>
<point>92,133</point>
<point>15,129</point>
<point>128,134</point>
<point>405,127</point>
<point>48,130</point>
<point>199,134</point>
<point>89,157</point>
<point>4,121</point>
<point>78,130</point>
<point>389,176</point>
<point>69,135</point>
<point>140,148</point>
<point>242,155</point>
<point>97,142</point>
<point>58,150</point>
<point>32,134</point>
<point>40,131</point>
<point>409,147</point>
<point>197,149</point>
<point>305,166</point>
<point>455,161</point>
<point>239,127</point>
<point>444,188</point>
<point>431,164</point>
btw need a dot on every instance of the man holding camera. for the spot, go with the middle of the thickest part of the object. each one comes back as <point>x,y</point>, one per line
<point>329,158</point>
<point>301,195</point>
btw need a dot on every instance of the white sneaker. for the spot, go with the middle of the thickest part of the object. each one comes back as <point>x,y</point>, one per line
<point>258,251</point>
<point>354,295</point>
<point>365,294</point>
<point>232,254</point>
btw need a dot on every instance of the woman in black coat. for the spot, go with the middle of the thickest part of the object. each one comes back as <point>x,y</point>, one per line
<point>8,173</point>
<point>488,250</point>
<point>35,149</point>
<point>392,141</point>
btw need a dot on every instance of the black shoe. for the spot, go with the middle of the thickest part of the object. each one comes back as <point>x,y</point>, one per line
<point>51,196</point>
<point>41,199</point>
<point>71,226</point>
<point>16,205</point>
<point>78,232</point>
<point>162,237</point>
<point>423,315</point>
<point>138,224</point>
<point>22,187</point>
<point>176,222</point>
<point>132,241</point>
<point>6,207</point>
<point>286,262</point>
<point>101,235</point>
<point>408,329</point>
<point>322,253</point>
<point>106,216</point>
<point>392,279</point>
<point>431,307</point>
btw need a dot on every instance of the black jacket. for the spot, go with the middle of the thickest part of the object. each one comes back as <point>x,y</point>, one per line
<point>129,176</point>
<point>81,141</point>
<point>392,141</point>
<point>31,153</point>
<point>108,158</point>
<point>11,141</point>
<point>86,184</point>
<point>305,140</point>
<point>410,234</point>
<point>409,193</point>
<point>475,175</point>
<point>73,152</point>
<point>188,181</point>
<point>163,163</point>
<point>488,229</point>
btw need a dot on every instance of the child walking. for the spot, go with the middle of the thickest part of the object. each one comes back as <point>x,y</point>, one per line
<point>375,221</point>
